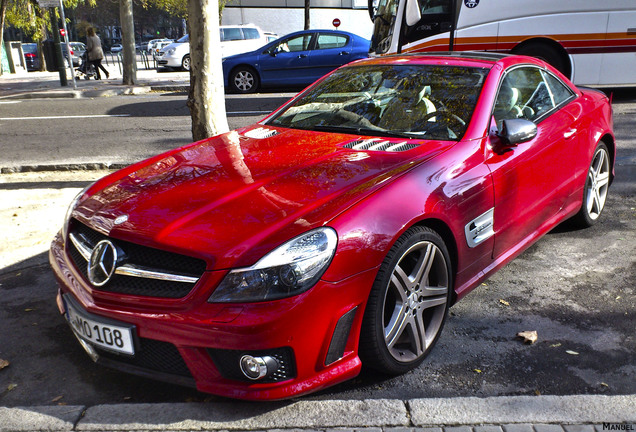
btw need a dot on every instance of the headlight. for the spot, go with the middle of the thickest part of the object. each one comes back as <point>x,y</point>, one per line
<point>69,211</point>
<point>288,270</point>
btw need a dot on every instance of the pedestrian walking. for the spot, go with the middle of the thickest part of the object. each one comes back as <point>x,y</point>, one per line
<point>95,52</point>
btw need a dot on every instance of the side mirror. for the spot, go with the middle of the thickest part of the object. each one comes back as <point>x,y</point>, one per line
<point>517,131</point>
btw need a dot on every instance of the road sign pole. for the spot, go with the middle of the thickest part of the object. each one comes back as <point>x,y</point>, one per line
<point>68,46</point>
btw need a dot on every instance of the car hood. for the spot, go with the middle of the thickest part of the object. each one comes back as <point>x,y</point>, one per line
<point>232,198</point>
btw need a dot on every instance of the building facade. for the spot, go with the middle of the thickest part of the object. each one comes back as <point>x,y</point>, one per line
<point>285,16</point>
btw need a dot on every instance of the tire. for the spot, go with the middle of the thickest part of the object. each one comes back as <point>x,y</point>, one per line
<point>596,188</point>
<point>185,63</point>
<point>244,80</point>
<point>548,53</point>
<point>408,303</point>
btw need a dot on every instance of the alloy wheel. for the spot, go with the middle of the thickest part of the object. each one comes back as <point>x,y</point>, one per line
<point>415,302</point>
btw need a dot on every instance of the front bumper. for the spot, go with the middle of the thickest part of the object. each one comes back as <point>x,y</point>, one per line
<point>168,61</point>
<point>192,342</point>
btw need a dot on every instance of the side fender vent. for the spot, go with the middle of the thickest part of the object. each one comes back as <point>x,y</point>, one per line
<point>379,145</point>
<point>261,133</point>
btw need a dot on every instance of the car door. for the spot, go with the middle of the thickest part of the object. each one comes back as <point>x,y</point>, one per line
<point>286,62</point>
<point>532,180</point>
<point>331,51</point>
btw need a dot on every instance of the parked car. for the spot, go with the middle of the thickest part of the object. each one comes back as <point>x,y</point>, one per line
<point>297,59</point>
<point>159,45</point>
<point>277,259</point>
<point>152,44</point>
<point>77,50</point>
<point>31,56</point>
<point>116,48</point>
<point>271,37</point>
<point>234,40</point>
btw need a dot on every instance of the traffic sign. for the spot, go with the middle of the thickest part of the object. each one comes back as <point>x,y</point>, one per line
<point>336,22</point>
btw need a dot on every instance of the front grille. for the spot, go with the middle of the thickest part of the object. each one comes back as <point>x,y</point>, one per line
<point>153,355</point>
<point>142,256</point>
<point>227,362</point>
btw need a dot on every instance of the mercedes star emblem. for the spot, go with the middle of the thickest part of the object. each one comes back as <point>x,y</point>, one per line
<point>102,263</point>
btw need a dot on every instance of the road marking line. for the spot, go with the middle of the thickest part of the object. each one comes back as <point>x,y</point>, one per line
<point>65,117</point>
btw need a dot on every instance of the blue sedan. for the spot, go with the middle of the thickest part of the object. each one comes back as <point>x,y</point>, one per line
<point>297,59</point>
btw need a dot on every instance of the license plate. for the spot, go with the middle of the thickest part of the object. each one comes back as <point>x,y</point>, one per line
<point>104,333</point>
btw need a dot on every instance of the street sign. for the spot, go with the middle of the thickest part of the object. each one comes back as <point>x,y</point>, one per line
<point>49,3</point>
<point>336,22</point>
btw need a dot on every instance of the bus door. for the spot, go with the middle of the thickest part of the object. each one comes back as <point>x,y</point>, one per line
<point>412,25</point>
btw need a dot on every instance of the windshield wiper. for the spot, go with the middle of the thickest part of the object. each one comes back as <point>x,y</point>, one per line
<point>362,131</point>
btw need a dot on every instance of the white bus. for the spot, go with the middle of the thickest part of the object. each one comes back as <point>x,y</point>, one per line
<point>593,42</point>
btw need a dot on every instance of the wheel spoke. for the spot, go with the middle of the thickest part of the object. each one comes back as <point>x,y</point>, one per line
<point>602,179</point>
<point>396,326</point>
<point>419,334</point>
<point>424,264</point>
<point>401,283</point>
<point>600,163</point>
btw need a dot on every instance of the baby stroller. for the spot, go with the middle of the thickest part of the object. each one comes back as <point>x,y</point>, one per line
<point>85,68</point>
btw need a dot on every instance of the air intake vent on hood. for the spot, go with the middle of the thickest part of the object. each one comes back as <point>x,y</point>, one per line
<point>261,133</point>
<point>374,144</point>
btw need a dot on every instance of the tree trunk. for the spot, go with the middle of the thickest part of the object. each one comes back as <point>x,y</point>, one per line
<point>307,8</point>
<point>206,97</point>
<point>3,12</point>
<point>128,41</point>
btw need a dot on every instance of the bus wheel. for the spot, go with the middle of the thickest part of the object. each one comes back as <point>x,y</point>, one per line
<point>548,53</point>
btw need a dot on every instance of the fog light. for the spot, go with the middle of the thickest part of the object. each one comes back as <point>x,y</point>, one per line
<point>256,368</point>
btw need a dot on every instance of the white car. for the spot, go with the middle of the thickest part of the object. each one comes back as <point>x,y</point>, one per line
<point>116,48</point>
<point>159,45</point>
<point>152,44</point>
<point>234,40</point>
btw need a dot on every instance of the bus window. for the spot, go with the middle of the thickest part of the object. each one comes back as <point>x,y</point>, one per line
<point>437,17</point>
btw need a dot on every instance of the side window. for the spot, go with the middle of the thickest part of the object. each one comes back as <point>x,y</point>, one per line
<point>230,34</point>
<point>529,93</point>
<point>326,41</point>
<point>560,92</point>
<point>251,33</point>
<point>437,17</point>
<point>295,44</point>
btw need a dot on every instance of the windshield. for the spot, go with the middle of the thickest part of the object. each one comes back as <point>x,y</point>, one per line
<point>184,39</point>
<point>413,101</point>
<point>30,48</point>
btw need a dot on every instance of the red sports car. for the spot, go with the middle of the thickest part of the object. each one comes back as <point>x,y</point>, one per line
<point>276,259</point>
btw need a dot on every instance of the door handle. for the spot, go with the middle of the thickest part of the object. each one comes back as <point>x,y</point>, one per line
<point>302,55</point>
<point>569,134</point>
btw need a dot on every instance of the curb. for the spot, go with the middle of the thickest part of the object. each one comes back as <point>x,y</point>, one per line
<point>327,414</point>
<point>77,94</point>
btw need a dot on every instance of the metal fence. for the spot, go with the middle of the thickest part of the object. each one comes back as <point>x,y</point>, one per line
<point>144,61</point>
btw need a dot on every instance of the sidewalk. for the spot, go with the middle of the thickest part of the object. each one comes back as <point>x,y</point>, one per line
<point>497,414</point>
<point>27,85</point>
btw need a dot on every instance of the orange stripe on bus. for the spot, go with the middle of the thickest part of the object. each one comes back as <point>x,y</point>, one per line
<point>621,41</point>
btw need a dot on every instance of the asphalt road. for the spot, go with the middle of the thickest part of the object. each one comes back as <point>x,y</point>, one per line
<point>574,287</point>
<point>118,130</point>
